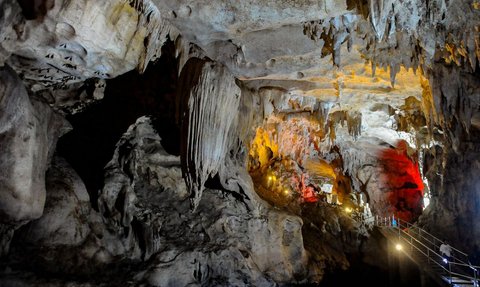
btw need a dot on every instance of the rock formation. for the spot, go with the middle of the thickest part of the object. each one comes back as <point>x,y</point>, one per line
<point>274,133</point>
<point>29,130</point>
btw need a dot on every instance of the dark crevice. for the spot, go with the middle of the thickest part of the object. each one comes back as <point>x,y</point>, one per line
<point>33,9</point>
<point>214,183</point>
<point>97,129</point>
<point>139,232</point>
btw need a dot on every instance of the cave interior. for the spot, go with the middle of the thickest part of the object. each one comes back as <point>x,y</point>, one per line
<point>236,143</point>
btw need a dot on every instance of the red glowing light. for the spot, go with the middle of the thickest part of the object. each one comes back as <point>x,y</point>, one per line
<point>402,179</point>
<point>306,191</point>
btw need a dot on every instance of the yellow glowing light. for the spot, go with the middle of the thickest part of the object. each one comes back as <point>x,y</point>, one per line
<point>270,178</point>
<point>263,147</point>
<point>321,168</point>
<point>286,191</point>
<point>476,5</point>
<point>348,209</point>
<point>398,246</point>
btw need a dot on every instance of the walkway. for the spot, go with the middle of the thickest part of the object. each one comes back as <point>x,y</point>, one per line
<point>423,248</point>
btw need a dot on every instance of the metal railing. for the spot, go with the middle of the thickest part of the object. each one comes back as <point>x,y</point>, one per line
<point>457,270</point>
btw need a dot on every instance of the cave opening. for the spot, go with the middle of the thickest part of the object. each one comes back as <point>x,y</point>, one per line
<point>98,127</point>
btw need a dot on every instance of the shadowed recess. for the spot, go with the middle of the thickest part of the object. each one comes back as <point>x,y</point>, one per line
<point>96,130</point>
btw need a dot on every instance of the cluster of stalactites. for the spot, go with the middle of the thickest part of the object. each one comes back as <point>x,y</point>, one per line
<point>158,31</point>
<point>213,105</point>
<point>409,33</point>
<point>352,119</point>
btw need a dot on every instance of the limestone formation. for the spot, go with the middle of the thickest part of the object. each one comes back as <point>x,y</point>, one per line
<point>29,130</point>
<point>78,41</point>
<point>212,107</point>
<point>67,208</point>
<point>145,202</point>
<point>293,123</point>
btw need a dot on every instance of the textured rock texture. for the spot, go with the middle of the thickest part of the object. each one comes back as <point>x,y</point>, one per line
<point>80,40</point>
<point>28,133</point>
<point>72,42</point>
<point>69,238</point>
<point>251,39</point>
<point>145,202</point>
<point>318,100</point>
<point>67,208</point>
<point>212,111</point>
<point>451,163</point>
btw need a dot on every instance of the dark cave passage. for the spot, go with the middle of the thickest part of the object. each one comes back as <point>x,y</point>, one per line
<point>96,130</point>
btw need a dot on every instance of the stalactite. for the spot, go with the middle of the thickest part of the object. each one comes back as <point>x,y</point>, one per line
<point>406,34</point>
<point>158,31</point>
<point>334,33</point>
<point>212,108</point>
<point>379,16</point>
<point>335,119</point>
<point>354,124</point>
<point>394,69</point>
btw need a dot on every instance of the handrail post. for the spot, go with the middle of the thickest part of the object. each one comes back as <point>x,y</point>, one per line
<point>399,234</point>
<point>450,272</point>
<point>475,277</point>
<point>411,242</point>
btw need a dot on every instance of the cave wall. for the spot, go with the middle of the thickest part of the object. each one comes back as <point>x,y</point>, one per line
<point>451,164</point>
<point>29,131</point>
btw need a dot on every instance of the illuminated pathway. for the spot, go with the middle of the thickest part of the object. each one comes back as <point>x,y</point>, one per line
<point>423,249</point>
